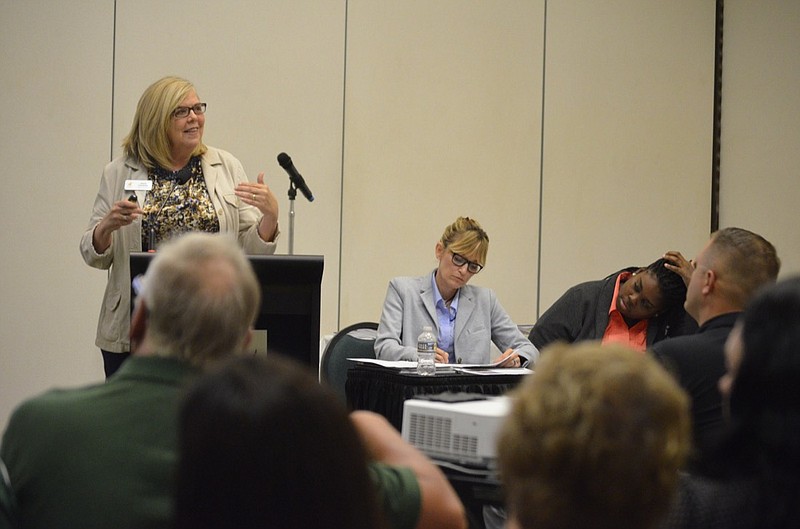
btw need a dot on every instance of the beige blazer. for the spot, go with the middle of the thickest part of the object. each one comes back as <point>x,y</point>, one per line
<point>222,172</point>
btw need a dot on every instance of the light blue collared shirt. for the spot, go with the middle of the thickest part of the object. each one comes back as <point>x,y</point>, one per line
<point>447,320</point>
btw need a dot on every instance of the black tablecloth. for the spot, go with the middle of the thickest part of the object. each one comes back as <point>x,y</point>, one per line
<point>384,390</point>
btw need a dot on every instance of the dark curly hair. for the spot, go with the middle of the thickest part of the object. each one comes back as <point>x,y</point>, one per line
<point>673,289</point>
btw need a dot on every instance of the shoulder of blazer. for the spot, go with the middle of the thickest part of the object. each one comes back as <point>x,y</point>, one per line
<point>214,156</point>
<point>134,166</point>
<point>415,284</point>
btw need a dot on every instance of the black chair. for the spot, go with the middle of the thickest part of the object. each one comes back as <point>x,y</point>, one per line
<point>354,341</point>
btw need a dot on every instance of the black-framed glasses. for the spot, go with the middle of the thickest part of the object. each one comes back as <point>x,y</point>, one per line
<point>182,112</point>
<point>472,267</point>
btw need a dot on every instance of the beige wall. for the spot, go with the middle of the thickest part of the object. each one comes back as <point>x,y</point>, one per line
<point>401,115</point>
<point>627,136</point>
<point>760,158</point>
<point>442,118</point>
<point>55,114</point>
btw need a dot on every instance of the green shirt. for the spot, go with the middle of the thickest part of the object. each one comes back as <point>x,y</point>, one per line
<point>100,456</point>
<point>399,494</point>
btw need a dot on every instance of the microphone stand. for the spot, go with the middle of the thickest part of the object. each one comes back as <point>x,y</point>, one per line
<point>292,196</point>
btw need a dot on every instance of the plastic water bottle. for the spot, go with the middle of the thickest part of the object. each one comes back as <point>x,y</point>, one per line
<point>426,352</point>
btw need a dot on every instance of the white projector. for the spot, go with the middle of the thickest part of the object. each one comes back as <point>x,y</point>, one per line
<point>459,432</point>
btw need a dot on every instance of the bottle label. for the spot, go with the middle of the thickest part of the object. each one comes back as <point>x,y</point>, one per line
<point>426,347</point>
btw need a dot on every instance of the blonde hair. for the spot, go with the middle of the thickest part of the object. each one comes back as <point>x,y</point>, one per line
<point>147,140</point>
<point>595,439</point>
<point>466,237</point>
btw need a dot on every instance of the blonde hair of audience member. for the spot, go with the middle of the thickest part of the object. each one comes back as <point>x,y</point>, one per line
<point>466,237</point>
<point>147,140</point>
<point>201,298</point>
<point>595,439</point>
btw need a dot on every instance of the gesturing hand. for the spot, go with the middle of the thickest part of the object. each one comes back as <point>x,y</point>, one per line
<point>260,196</point>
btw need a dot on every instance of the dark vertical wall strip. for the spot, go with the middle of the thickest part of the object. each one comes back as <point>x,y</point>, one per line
<point>341,177</point>
<point>113,77</point>
<point>715,157</point>
<point>541,166</point>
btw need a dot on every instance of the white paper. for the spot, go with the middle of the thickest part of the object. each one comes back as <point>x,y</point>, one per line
<point>482,369</point>
<point>494,371</point>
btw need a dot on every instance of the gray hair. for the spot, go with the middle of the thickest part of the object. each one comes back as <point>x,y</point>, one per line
<point>202,297</point>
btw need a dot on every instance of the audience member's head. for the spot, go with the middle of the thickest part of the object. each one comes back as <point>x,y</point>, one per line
<point>728,271</point>
<point>200,298</point>
<point>762,386</point>
<point>594,440</point>
<point>263,444</point>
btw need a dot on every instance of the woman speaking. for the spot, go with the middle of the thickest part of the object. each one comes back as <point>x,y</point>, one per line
<point>167,182</point>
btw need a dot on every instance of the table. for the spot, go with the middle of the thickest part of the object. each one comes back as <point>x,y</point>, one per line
<point>382,390</point>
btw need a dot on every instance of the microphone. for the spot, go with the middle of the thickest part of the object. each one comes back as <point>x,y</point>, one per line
<point>294,176</point>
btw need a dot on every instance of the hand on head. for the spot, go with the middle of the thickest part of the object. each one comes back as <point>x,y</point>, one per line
<point>678,264</point>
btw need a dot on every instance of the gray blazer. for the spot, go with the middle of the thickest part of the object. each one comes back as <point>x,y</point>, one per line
<point>480,320</point>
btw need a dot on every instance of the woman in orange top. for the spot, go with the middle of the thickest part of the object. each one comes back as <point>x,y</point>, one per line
<point>635,306</point>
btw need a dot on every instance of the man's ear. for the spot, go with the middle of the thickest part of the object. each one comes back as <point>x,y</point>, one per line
<point>138,324</point>
<point>709,281</point>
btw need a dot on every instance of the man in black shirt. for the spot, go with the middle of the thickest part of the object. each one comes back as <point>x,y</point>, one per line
<point>727,272</point>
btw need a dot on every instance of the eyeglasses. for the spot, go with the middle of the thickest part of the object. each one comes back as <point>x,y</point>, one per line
<point>472,267</point>
<point>182,112</point>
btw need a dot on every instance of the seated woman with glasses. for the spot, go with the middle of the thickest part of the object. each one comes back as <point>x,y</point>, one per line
<point>466,318</point>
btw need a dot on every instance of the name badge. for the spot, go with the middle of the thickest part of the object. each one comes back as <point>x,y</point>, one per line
<point>138,185</point>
